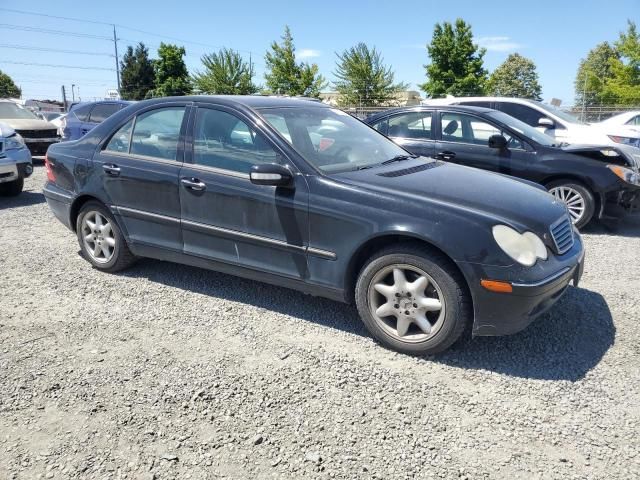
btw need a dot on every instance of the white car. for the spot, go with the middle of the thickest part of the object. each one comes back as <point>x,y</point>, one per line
<point>563,126</point>
<point>631,119</point>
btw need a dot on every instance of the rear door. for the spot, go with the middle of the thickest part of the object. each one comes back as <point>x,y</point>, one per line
<point>138,168</point>
<point>411,130</point>
<point>227,218</point>
<point>464,139</point>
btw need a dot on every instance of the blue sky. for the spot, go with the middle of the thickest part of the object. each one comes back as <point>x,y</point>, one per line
<point>554,34</point>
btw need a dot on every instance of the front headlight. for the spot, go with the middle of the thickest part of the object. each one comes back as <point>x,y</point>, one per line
<point>623,140</point>
<point>14,142</point>
<point>625,174</point>
<point>525,248</point>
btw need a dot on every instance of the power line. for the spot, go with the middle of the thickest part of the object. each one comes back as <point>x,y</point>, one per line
<point>42,49</point>
<point>51,32</point>
<point>56,66</point>
<point>59,17</point>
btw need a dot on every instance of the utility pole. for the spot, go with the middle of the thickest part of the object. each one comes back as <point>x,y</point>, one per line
<point>73,93</point>
<point>64,99</point>
<point>115,47</point>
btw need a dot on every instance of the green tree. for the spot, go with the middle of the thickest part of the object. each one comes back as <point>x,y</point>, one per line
<point>172,77</point>
<point>137,76</point>
<point>515,77</point>
<point>225,73</point>
<point>286,76</point>
<point>8,89</point>
<point>363,79</point>
<point>456,66</point>
<point>593,73</point>
<point>623,87</point>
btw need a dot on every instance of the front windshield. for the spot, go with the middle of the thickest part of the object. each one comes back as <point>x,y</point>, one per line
<point>567,117</point>
<point>330,139</point>
<point>14,111</point>
<point>523,128</point>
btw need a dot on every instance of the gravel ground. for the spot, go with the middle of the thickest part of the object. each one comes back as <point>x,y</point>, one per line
<point>168,371</point>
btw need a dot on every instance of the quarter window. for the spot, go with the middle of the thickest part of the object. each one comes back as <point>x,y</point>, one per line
<point>119,142</point>
<point>156,133</point>
<point>221,140</point>
<point>415,125</point>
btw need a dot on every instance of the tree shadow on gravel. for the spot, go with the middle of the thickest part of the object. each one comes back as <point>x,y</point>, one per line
<point>25,199</point>
<point>628,226</point>
<point>563,344</point>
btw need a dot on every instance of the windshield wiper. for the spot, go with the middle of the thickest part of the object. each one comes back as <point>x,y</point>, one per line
<point>398,158</point>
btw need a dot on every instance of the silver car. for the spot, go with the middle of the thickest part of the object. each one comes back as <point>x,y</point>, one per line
<point>15,161</point>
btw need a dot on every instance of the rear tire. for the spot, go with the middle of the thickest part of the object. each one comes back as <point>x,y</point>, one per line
<point>578,199</point>
<point>394,306</point>
<point>101,240</point>
<point>12,189</point>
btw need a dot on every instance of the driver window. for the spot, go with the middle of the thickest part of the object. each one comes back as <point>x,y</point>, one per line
<point>223,141</point>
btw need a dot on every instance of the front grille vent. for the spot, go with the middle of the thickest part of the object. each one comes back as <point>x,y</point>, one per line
<point>410,170</point>
<point>562,234</point>
<point>53,133</point>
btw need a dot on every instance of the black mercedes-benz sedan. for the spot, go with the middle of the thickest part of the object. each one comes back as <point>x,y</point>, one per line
<point>298,194</point>
<point>594,182</point>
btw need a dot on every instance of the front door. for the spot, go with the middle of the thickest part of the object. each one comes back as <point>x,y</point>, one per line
<point>227,218</point>
<point>138,170</point>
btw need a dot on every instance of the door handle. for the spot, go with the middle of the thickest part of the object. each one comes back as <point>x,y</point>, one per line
<point>111,169</point>
<point>446,155</point>
<point>193,184</point>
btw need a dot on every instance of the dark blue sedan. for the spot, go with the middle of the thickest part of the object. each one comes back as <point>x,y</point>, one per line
<point>84,116</point>
<point>298,194</point>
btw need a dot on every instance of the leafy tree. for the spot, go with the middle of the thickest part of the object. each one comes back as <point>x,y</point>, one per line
<point>8,89</point>
<point>623,87</point>
<point>593,73</point>
<point>515,77</point>
<point>286,76</point>
<point>456,66</point>
<point>172,77</point>
<point>225,73</point>
<point>363,78</point>
<point>137,76</point>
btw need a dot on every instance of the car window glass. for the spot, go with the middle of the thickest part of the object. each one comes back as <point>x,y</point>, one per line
<point>381,126</point>
<point>223,141</point>
<point>102,111</point>
<point>459,127</point>
<point>478,103</point>
<point>523,113</point>
<point>279,123</point>
<point>120,140</point>
<point>634,121</point>
<point>82,112</point>
<point>156,133</point>
<point>415,125</point>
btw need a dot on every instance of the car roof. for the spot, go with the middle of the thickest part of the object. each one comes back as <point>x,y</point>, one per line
<point>98,102</point>
<point>251,101</point>
<point>425,108</point>
<point>450,100</point>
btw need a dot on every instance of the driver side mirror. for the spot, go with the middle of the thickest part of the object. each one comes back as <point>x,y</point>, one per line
<point>546,122</point>
<point>497,141</point>
<point>271,174</point>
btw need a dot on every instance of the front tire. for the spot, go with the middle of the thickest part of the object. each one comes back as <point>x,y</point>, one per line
<point>12,189</point>
<point>101,241</point>
<point>413,300</point>
<point>577,197</point>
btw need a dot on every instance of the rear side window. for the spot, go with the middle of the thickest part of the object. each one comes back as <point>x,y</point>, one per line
<point>102,111</point>
<point>414,125</point>
<point>82,112</point>
<point>156,133</point>
<point>523,113</point>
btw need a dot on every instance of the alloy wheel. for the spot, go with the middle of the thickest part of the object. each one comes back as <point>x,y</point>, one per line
<point>407,303</point>
<point>97,236</point>
<point>573,199</point>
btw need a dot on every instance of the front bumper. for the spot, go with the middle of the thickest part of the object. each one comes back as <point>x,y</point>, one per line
<point>15,164</point>
<point>617,203</point>
<point>535,290</point>
<point>39,146</point>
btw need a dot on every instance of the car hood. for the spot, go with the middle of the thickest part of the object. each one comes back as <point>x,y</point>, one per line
<point>28,124</point>
<point>609,129</point>
<point>503,199</point>
<point>620,154</point>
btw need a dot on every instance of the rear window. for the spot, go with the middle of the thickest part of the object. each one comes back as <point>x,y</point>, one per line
<point>102,111</point>
<point>82,112</point>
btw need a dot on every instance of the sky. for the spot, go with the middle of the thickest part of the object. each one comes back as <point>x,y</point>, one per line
<point>554,34</point>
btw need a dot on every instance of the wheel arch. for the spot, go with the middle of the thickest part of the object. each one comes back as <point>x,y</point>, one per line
<point>77,205</point>
<point>383,240</point>
<point>597,195</point>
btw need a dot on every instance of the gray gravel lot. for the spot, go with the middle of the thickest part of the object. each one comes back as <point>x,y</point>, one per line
<point>168,371</point>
